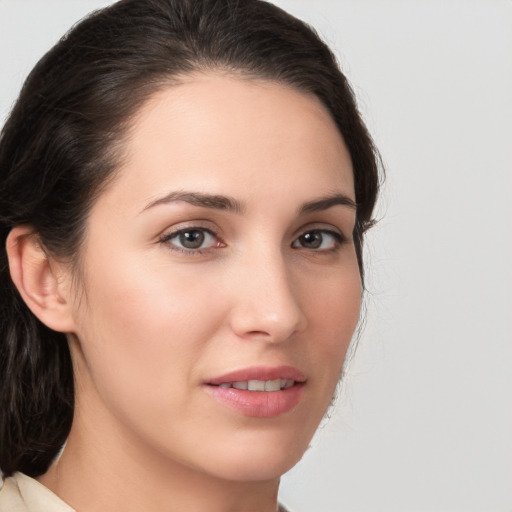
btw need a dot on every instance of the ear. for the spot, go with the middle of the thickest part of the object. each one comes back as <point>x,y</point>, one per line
<point>43,283</point>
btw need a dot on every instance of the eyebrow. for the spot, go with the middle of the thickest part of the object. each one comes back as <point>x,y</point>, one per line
<point>216,202</point>
<point>325,203</point>
<point>221,202</point>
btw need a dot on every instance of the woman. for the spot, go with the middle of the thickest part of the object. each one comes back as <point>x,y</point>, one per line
<point>185,187</point>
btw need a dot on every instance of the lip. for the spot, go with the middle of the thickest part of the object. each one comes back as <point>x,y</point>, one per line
<point>259,373</point>
<point>258,404</point>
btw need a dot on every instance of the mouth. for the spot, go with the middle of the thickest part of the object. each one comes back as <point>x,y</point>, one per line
<point>259,391</point>
<point>259,385</point>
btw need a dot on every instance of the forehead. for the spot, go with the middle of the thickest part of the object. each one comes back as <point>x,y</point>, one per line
<point>212,133</point>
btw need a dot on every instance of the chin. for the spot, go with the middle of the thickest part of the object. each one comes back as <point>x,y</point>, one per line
<point>256,471</point>
<point>260,459</point>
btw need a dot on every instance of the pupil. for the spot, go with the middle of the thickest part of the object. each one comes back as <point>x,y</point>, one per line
<point>192,239</point>
<point>312,240</point>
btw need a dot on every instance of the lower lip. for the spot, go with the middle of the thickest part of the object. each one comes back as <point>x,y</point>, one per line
<point>258,404</point>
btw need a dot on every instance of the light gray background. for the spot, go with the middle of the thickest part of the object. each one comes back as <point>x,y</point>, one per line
<point>424,420</point>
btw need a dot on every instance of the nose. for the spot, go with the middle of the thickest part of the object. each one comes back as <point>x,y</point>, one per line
<point>267,304</point>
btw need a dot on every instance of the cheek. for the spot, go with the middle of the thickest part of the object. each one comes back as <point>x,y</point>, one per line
<point>139,331</point>
<point>144,296</point>
<point>337,305</point>
<point>334,314</point>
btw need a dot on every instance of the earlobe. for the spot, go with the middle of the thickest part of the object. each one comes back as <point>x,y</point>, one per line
<point>40,281</point>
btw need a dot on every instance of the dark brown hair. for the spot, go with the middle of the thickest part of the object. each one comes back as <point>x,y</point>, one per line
<point>63,139</point>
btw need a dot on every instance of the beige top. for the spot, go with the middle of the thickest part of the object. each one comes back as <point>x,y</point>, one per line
<point>20,493</point>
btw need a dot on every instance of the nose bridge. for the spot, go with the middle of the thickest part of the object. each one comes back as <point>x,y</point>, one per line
<point>268,304</point>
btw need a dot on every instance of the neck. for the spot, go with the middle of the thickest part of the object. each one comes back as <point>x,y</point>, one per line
<point>104,467</point>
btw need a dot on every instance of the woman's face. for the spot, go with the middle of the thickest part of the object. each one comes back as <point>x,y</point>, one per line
<point>221,254</point>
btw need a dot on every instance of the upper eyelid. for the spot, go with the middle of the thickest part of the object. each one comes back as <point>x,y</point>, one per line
<point>199,225</point>
<point>192,227</point>
<point>320,226</point>
<point>339,236</point>
<point>184,229</point>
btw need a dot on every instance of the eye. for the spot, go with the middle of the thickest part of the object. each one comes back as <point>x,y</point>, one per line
<point>319,240</point>
<point>192,239</point>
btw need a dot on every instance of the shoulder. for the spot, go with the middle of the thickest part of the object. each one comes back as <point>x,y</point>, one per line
<point>20,493</point>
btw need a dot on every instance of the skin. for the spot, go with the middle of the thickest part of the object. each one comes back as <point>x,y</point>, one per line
<point>150,321</point>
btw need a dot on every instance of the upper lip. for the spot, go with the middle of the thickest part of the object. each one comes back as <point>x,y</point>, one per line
<point>259,373</point>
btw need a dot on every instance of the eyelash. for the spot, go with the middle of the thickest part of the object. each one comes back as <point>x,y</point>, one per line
<point>166,239</point>
<point>338,240</point>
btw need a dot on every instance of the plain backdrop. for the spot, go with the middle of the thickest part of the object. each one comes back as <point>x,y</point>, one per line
<point>423,421</point>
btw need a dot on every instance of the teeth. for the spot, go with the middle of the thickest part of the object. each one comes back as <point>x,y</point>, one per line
<point>256,385</point>
<point>260,385</point>
<point>273,385</point>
